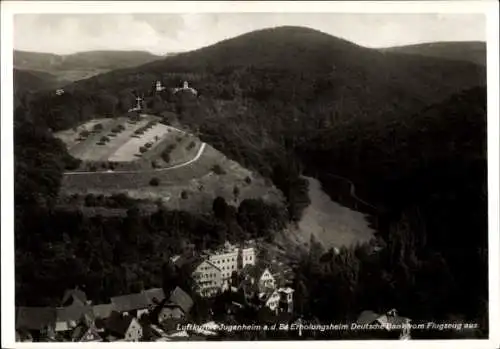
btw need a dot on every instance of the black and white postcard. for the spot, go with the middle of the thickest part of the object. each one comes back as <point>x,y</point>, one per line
<point>250,171</point>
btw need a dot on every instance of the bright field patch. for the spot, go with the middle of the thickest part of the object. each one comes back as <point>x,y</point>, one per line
<point>104,142</point>
<point>130,150</point>
<point>129,144</point>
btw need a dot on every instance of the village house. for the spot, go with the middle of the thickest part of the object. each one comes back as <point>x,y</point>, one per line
<point>261,288</point>
<point>137,304</point>
<point>67,318</point>
<point>154,295</point>
<point>77,320</point>
<point>286,299</point>
<point>102,311</point>
<point>208,278</point>
<point>390,322</point>
<point>260,276</point>
<point>74,297</point>
<point>270,299</point>
<point>85,333</point>
<point>23,336</point>
<point>123,327</point>
<point>177,306</point>
<point>38,321</point>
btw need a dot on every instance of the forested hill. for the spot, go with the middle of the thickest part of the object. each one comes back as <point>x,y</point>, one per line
<point>303,72</point>
<point>470,51</point>
<point>32,81</point>
<point>428,177</point>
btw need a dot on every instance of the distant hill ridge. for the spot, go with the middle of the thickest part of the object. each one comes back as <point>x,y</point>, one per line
<point>89,59</point>
<point>471,51</point>
<point>81,65</point>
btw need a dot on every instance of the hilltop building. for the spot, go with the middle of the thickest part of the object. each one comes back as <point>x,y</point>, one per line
<point>159,86</point>
<point>185,87</point>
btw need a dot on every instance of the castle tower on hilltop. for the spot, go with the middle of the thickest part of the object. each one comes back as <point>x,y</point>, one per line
<point>159,87</point>
<point>185,87</point>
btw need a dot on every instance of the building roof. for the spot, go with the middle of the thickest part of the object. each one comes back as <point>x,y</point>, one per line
<point>73,312</point>
<point>266,295</point>
<point>212,264</point>
<point>248,287</point>
<point>254,271</point>
<point>118,324</point>
<point>367,317</point>
<point>182,299</point>
<point>35,318</point>
<point>129,302</point>
<point>83,333</point>
<point>386,320</point>
<point>23,335</point>
<point>189,263</point>
<point>103,311</point>
<point>154,295</point>
<point>78,296</point>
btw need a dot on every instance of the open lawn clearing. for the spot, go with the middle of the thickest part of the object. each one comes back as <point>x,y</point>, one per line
<point>331,223</point>
<point>91,151</point>
<point>128,151</point>
<point>180,152</point>
<point>196,179</point>
<point>183,150</point>
<point>186,148</point>
<point>112,181</point>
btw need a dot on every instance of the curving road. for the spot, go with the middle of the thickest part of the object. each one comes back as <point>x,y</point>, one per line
<point>189,162</point>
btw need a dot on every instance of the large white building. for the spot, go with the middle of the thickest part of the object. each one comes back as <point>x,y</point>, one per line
<point>227,261</point>
<point>208,278</point>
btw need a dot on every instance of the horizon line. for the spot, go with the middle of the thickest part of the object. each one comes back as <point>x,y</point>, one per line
<point>165,54</point>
